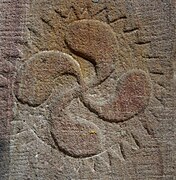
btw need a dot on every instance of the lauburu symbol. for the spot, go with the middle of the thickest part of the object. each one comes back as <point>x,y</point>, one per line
<point>111,97</point>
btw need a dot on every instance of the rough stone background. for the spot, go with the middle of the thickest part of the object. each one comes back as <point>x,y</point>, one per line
<point>87,89</point>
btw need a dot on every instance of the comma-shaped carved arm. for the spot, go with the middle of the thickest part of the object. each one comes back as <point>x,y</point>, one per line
<point>36,78</point>
<point>96,42</point>
<point>75,136</point>
<point>129,97</point>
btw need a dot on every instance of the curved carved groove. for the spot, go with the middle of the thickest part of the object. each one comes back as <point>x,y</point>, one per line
<point>75,137</point>
<point>96,42</point>
<point>130,96</point>
<point>36,79</point>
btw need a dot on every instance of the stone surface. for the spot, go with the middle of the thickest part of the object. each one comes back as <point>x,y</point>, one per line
<point>131,95</point>
<point>95,41</point>
<point>36,80</point>
<point>87,90</point>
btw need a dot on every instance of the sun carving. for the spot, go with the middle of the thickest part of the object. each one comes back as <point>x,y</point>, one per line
<point>113,96</point>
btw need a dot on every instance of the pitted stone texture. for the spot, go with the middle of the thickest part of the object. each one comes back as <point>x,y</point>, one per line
<point>129,97</point>
<point>113,100</point>
<point>76,137</point>
<point>137,148</point>
<point>38,76</point>
<point>96,42</point>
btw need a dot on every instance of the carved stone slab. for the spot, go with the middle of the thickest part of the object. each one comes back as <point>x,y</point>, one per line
<point>87,90</point>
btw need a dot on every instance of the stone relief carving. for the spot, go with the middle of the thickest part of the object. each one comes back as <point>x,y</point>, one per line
<point>85,94</point>
<point>112,97</point>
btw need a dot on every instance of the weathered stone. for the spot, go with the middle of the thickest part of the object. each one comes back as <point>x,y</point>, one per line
<point>36,79</point>
<point>95,41</point>
<point>87,90</point>
<point>76,137</point>
<point>131,95</point>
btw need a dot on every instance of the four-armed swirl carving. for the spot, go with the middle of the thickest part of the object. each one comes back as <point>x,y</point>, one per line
<point>111,97</point>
